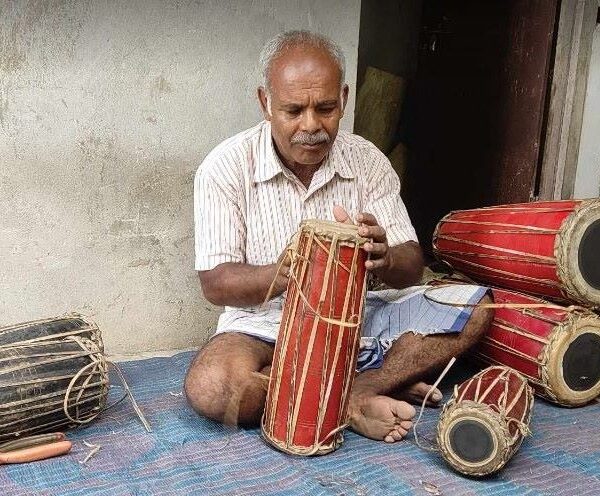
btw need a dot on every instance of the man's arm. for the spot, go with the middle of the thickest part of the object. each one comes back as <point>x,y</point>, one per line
<point>404,267</point>
<point>244,285</point>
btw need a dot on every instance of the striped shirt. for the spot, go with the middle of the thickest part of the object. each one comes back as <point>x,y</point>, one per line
<point>248,205</point>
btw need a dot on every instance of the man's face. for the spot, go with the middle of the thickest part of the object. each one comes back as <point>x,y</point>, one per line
<point>305,105</point>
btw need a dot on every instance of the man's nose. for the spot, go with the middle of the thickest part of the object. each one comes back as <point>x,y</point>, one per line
<point>310,122</point>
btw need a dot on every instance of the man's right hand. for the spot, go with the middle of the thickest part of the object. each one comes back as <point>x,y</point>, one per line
<point>282,272</point>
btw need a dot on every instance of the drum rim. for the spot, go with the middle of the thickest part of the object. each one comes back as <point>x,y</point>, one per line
<point>330,229</point>
<point>561,337</point>
<point>566,252</point>
<point>292,449</point>
<point>485,415</point>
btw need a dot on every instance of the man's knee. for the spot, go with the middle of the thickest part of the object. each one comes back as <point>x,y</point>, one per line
<point>480,320</point>
<point>206,388</point>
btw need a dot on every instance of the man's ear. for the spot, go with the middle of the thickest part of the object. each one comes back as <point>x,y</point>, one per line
<point>344,95</point>
<point>262,100</point>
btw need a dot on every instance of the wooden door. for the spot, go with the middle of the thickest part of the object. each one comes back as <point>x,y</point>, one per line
<point>477,115</point>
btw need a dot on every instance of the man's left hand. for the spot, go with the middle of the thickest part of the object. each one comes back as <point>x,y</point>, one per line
<point>378,249</point>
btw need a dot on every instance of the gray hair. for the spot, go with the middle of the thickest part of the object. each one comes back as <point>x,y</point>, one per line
<point>275,47</point>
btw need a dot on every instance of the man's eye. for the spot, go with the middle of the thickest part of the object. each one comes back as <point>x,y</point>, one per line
<point>326,110</point>
<point>293,112</point>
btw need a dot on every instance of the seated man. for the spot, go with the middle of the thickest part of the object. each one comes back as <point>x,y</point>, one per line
<point>251,193</point>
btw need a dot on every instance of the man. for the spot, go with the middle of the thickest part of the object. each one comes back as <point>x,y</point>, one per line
<point>252,191</point>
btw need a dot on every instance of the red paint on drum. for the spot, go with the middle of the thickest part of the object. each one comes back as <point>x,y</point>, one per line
<point>324,371</point>
<point>530,228</point>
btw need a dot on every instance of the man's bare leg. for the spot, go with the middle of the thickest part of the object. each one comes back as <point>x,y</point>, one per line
<point>220,383</point>
<point>373,412</point>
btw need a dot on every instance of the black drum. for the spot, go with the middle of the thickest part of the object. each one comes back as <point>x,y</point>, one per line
<point>53,375</point>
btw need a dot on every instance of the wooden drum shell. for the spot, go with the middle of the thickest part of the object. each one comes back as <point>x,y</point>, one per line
<point>547,249</point>
<point>485,421</point>
<point>315,354</point>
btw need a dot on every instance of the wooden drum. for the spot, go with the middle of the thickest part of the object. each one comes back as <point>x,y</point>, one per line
<point>316,351</point>
<point>52,375</point>
<point>545,248</point>
<point>485,421</point>
<point>557,350</point>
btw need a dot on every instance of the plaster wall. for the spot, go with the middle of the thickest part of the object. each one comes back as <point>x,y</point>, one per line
<point>106,110</point>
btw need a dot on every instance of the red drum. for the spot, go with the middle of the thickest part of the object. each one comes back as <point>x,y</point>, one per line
<point>485,421</point>
<point>557,350</point>
<point>543,248</point>
<point>316,350</point>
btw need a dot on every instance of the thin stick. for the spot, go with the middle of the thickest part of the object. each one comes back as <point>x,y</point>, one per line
<point>435,385</point>
<point>137,409</point>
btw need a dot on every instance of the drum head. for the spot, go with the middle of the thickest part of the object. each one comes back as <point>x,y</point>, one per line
<point>572,370</point>
<point>581,362</point>
<point>589,247</point>
<point>576,248</point>
<point>472,441</point>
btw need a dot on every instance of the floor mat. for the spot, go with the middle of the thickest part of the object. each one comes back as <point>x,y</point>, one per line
<point>186,454</point>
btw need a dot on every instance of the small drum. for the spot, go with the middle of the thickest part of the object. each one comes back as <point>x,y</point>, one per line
<point>542,248</point>
<point>52,374</point>
<point>485,421</point>
<point>316,350</point>
<point>558,351</point>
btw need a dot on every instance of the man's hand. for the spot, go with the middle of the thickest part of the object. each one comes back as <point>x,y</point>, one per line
<point>398,266</point>
<point>377,248</point>
<point>283,267</point>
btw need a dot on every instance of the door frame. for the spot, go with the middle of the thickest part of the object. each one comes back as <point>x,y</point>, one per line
<point>576,24</point>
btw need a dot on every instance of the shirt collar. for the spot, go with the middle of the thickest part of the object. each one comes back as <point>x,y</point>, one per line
<point>271,166</point>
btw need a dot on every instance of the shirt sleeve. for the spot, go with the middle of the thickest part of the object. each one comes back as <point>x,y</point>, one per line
<point>384,202</point>
<point>220,233</point>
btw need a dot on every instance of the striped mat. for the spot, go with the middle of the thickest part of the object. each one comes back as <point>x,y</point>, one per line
<point>189,455</point>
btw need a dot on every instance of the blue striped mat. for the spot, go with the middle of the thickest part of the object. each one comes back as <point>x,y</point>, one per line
<point>189,455</point>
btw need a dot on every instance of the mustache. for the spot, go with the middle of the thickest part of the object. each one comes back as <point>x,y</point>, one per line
<point>304,138</point>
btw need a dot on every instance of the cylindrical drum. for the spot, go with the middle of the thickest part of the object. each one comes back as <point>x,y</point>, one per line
<point>315,355</point>
<point>557,350</point>
<point>53,374</point>
<point>485,421</point>
<point>545,248</point>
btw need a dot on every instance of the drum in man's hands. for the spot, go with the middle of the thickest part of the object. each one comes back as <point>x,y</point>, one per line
<point>53,374</point>
<point>548,248</point>
<point>314,361</point>
<point>556,349</point>
<point>484,423</point>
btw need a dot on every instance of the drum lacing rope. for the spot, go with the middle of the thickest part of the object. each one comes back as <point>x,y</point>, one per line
<point>98,364</point>
<point>431,389</point>
<point>295,256</point>
<point>523,306</point>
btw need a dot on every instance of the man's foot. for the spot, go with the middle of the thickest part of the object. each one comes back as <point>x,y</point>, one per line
<point>417,392</point>
<point>380,417</point>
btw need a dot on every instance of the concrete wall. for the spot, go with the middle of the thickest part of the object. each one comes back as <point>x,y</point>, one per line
<point>587,179</point>
<point>106,110</point>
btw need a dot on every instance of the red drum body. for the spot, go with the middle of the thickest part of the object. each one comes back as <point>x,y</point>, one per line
<point>556,350</point>
<point>485,421</point>
<point>316,351</point>
<point>547,249</point>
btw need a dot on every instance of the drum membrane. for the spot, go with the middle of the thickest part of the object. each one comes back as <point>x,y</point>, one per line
<point>589,255</point>
<point>581,362</point>
<point>471,441</point>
